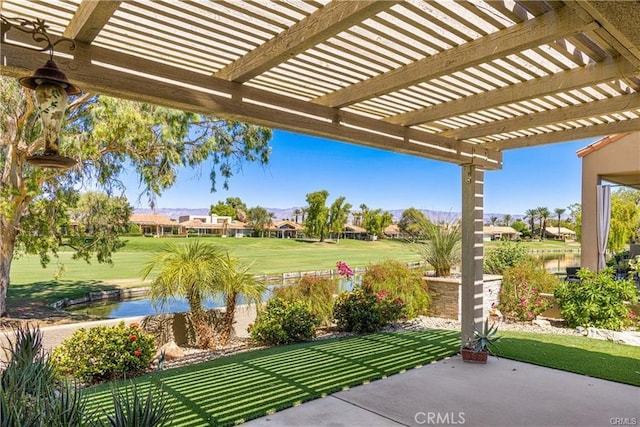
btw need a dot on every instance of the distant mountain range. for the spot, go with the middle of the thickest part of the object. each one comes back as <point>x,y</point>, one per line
<point>288,213</point>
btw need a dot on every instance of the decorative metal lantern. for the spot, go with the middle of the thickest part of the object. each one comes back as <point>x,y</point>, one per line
<point>52,88</point>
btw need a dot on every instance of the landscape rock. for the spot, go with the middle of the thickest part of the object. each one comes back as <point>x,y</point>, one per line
<point>544,324</point>
<point>624,337</point>
<point>171,352</point>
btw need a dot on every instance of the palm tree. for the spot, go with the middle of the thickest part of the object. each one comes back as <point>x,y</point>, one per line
<point>543,214</point>
<point>297,213</point>
<point>188,271</point>
<point>507,219</point>
<point>531,215</point>
<point>234,280</point>
<point>493,220</point>
<point>559,212</point>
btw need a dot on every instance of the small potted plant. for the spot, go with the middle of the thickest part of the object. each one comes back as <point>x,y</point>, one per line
<point>478,348</point>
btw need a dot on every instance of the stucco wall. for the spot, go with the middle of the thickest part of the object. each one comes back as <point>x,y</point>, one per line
<point>617,158</point>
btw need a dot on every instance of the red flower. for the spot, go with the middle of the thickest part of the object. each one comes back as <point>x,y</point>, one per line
<point>133,338</point>
<point>137,353</point>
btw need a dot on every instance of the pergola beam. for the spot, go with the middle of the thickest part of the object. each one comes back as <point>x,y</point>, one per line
<point>316,28</point>
<point>567,80</point>
<point>586,110</point>
<point>89,19</point>
<point>544,29</point>
<point>566,135</point>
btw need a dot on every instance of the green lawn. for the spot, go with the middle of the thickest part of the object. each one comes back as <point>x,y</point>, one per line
<point>238,388</point>
<point>68,278</point>
<point>71,278</point>
<point>582,355</point>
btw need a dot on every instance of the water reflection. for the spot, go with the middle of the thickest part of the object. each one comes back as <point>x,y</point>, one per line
<point>557,262</point>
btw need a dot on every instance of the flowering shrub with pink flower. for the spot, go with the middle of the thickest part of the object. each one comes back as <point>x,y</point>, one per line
<point>363,310</point>
<point>105,353</point>
<point>520,292</point>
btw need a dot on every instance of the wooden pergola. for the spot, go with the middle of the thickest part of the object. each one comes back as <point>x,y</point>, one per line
<point>453,81</point>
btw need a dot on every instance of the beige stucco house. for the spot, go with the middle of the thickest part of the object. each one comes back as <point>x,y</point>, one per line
<point>616,160</point>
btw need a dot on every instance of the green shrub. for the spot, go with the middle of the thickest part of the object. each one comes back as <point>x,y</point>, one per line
<point>284,322</point>
<point>105,353</point>
<point>520,291</point>
<point>30,395</point>
<point>400,281</point>
<point>506,254</point>
<point>597,300</point>
<point>362,312</point>
<point>315,291</point>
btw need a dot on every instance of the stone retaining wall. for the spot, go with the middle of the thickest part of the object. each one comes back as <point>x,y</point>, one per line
<point>446,296</point>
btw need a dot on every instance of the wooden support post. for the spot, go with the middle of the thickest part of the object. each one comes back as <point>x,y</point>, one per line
<point>472,250</point>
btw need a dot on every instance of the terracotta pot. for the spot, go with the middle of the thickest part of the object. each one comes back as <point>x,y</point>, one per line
<point>474,356</point>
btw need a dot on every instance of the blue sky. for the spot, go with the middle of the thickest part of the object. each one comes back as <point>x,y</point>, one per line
<point>541,176</point>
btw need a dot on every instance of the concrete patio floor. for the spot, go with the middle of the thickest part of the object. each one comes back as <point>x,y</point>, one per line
<point>450,392</point>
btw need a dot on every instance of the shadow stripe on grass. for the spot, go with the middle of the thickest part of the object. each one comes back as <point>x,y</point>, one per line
<point>249,385</point>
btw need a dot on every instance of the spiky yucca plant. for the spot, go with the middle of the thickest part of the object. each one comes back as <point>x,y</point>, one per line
<point>442,250</point>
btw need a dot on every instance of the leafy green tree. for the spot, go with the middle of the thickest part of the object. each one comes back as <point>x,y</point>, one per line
<point>521,227</point>
<point>575,212</point>
<point>190,271</point>
<point>625,220</point>
<point>259,219</point>
<point>106,136</point>
<point>317,214</point>
<point>414,223</point>
<point>375,221</point>
<point>338,214</point>
<point>222,209</point>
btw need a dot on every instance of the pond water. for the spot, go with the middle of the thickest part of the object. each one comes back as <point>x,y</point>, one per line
<point>114,309</point>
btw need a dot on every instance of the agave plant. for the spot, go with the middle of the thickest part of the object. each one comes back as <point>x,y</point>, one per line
<point>484,339</point>
<point>134,408</point>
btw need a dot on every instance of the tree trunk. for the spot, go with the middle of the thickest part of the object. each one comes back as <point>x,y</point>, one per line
<point>7,243</point>
<point>229,314</point>
<point>205,334</point>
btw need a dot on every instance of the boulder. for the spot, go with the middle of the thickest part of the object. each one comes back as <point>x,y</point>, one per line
<point>544,324</point>
<point>171,352</point>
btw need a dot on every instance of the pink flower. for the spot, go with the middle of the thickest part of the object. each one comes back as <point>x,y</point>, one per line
<point>344,270</point>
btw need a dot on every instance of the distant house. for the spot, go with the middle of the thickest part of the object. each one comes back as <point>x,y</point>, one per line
<point>351,231</point>
<point>286,229</point>
<point>494,232</point>
<point>196,227</point>
<point>565,234</point>
<point>156,225</point>
<point>392,231</point>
